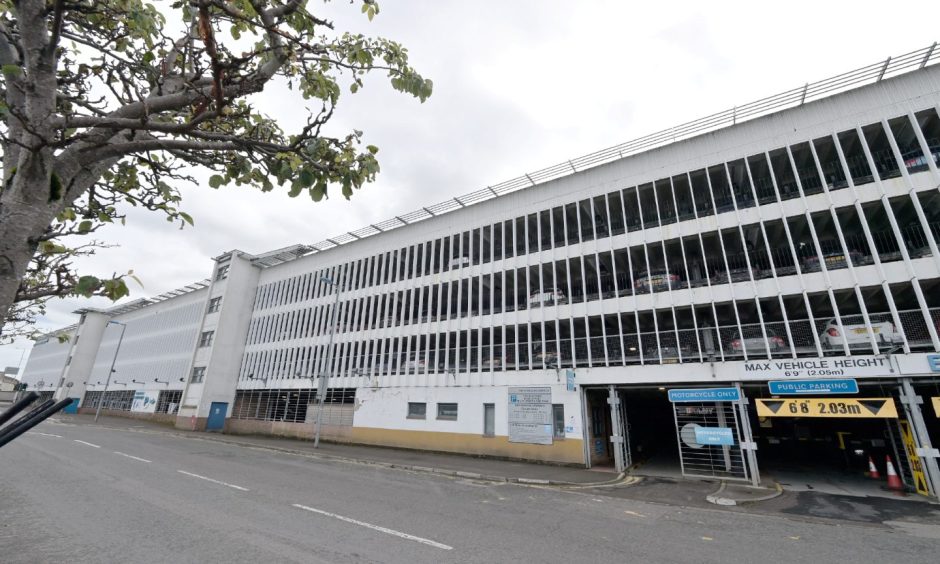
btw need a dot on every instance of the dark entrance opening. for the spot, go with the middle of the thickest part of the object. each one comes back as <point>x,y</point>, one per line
<point>828,454</point>
<point>651,431</point>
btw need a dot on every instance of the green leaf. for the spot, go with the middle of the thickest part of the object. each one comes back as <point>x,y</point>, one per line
<point>12,69</point>
<point>87,285</point>
<point>216,180</point>
<point>84,226</point>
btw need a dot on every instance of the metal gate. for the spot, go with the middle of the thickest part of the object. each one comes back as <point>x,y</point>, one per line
<point>709,438</point>
<point>620,436</point>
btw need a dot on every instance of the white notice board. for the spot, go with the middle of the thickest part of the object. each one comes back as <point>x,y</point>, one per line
<point>530,415</point>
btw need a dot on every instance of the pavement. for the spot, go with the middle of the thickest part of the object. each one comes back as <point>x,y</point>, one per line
<point>76,492</point>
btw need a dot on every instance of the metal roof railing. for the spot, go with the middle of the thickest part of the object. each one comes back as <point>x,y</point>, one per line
<point>869,74</point>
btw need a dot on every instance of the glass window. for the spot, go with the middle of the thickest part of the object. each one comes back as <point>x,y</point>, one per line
<point>447,411</point>
<point>222,272</point>
<point>206,338</point>
<point>199,374</point>
<point>214,305</point>
<point>558,421</point>
<point>417,410</point>
<point>489,419</point>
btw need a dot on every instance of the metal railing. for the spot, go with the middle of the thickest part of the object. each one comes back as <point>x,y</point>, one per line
<point>869,74</point>
<point>772,339</point>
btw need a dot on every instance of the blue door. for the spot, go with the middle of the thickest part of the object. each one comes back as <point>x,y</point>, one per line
<point>72,407</point>
<point>216,416</point>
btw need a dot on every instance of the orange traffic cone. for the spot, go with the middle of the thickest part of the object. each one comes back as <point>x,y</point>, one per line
<point>873,470</point>
<point>894,482</point>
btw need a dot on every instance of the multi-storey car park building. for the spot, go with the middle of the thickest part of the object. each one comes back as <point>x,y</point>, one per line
<point>794,239</point>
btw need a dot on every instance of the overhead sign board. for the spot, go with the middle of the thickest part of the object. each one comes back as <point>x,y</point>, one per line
<point>836,367</point>
<point>530,415</point>
<point>704,394</point>
<point>858,408</point>
<point>714,435</point>
<point>801,387</point>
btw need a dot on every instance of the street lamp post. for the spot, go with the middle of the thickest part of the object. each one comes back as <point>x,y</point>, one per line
<point>325,376</point>
<point>111,371</point>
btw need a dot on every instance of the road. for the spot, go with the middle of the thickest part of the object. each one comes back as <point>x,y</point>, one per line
<point>81,493</point>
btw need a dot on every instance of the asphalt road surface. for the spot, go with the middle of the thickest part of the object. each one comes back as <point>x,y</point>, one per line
<point>80,493</point>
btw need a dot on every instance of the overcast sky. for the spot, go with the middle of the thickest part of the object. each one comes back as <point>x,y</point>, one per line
<point>518,85</point>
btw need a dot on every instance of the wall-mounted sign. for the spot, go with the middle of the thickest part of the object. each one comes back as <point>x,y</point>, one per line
<point>933,361</point>
<point>917,469</point>
<point>936,405</point>
<point>530,415</point>
<point>569,380</point>
<point>807,387</point>
<point>714,436</point>
<point>817,368</point>
<point>145,401</point>
<point>857,408</point>
<point>704,394</point>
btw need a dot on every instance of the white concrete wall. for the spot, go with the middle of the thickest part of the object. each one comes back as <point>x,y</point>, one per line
<point>47,360</point>
<point>387,408</point>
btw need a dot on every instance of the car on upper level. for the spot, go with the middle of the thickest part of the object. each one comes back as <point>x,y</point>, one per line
<point>656,280</point>
<point>915,160</point>
<point>834,260</point>
<point>551,296</point>
<point>751,340</point>
<point>858,334</point>
<point>742,274</point>
<point>457,262</point>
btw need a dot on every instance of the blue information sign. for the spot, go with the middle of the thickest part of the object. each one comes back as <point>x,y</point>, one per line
<point>714,436</point>
<point>704,394</point>
<point>933,360</point>
<point>824,387</point>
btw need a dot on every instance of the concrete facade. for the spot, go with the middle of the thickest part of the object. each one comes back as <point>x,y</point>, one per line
<point>802,243</point>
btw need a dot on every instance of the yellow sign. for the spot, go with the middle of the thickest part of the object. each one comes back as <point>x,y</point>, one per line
<point>917,469</point>
<point>936,405</point>
<point>826,407</point>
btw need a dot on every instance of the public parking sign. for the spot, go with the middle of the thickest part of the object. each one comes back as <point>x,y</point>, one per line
<point>819,387</point>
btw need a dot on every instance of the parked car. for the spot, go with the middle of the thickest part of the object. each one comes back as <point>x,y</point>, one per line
<point>752,341</point>
<point>656,280</point>
<point>858,334</point>
<point>416,363</point>
<point>550,296</point>
<point>916,160</point>
<point>834,259</point>
<point>668,353</point>
<point>494,363</point>
<point>549,358</point>
<point>742,274</point>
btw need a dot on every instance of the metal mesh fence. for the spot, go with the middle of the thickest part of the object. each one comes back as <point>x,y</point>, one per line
<point>295,405</point>
<point>117,400</point>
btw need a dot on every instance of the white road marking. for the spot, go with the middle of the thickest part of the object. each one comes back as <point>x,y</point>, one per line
<point>375,527</point>
<point>221,483</point>
<point>44,434</point>
<point>133,457</point>
<point>84,443</point>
